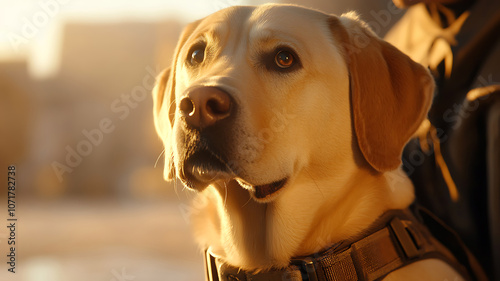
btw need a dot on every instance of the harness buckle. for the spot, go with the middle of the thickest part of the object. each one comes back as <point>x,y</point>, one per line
<point>307,268</point>
<point>407,238</point>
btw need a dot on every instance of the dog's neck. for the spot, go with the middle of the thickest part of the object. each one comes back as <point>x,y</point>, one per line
<point>258,236</point>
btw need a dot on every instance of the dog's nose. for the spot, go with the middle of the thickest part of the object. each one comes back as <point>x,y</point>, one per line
<point>204,106</point>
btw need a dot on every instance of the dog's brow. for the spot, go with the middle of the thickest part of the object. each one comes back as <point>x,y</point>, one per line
<point>214,31</point>
<point>272,37</point>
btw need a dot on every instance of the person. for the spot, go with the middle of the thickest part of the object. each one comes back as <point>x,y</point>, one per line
<point>454,161</point>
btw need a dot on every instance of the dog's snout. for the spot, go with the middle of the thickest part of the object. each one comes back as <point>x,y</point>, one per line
<point>205,106</point>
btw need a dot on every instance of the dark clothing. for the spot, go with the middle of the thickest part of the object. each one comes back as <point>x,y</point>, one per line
<point>461,46</point>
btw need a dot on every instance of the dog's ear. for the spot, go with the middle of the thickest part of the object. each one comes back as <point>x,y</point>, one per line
<point>164,103</point>
<point>390,93</point>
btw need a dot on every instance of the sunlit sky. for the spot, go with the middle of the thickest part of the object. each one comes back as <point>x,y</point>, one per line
<point>31,28</point>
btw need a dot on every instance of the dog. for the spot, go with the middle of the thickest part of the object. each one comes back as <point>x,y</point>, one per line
<point>289,123</point>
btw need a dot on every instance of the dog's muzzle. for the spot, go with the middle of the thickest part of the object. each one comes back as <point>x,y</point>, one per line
<point>207,113</point>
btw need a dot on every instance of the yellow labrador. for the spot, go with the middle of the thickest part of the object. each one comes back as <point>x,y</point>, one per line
<point>290,124</point>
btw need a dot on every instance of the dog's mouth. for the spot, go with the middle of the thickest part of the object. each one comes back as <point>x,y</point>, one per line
<point>265,191</point>
<point>203,168</point>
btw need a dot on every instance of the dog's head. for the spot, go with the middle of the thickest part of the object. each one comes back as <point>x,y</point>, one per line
<point>262,94</point>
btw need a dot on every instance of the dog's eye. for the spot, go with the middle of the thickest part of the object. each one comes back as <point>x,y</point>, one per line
<point>281,60</point>
<point>197,55</point>
<point>284,59</point>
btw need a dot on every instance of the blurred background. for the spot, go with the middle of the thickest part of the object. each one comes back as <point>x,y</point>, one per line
<point>76,120</point>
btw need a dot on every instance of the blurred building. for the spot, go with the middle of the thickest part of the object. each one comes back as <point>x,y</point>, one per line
<point>16,112</point>
<point>54,126</point>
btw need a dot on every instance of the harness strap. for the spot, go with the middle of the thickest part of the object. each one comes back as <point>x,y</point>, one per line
<point>395,240</point>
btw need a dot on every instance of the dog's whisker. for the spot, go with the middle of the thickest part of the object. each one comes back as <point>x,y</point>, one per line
<point>225,195</point>
<point>170,105</point>
<point>158,159</point>
<point>314,181</point>
<point>246,203</point>
<point>175,188</point>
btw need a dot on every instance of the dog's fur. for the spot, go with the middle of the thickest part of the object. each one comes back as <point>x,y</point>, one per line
<point>334,127</point>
